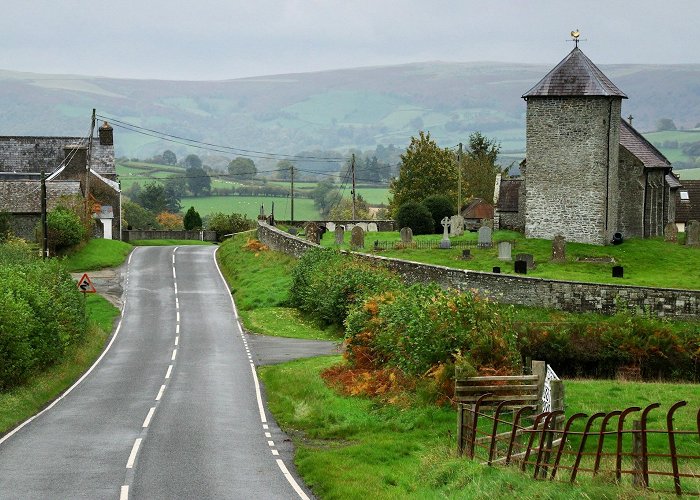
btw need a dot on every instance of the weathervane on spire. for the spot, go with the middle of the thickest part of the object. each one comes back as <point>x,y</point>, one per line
<point>575,34</point>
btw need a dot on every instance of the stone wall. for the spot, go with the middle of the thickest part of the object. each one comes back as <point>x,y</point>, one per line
<point>382,225</point>
<point>572,158</point>
<point>523,290</point>
<point>633,186</point>
<point>137,234</point>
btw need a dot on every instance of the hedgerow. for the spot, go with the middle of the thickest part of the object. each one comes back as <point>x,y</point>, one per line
<point>41,315</point>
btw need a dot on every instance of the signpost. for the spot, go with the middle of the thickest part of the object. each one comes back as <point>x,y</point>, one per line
<point>85,286</point>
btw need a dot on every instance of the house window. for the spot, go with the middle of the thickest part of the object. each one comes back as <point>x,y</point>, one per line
<point>684,196</point>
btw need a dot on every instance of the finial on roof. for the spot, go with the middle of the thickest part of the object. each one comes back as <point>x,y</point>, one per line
<point>575,34</point>
<point>630,118</point>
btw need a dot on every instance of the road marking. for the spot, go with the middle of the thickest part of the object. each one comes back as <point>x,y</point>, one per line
<point>291,480</point>
<point>170,370</point>
<point>177,340</point>
<point>275,453</point>
<point>149,417</point>
<point>174,354</point>
<point>258,396</point>
<point>271,443</point>
<point>160,393</point>
<point>124,494</point>
<point>173,258</point>
<point>268,435</point>
<point>177,303</point>
<point>174,275</point>
<point>177,316</point>
<point>177,329</point>
<point>265,426</point>
<point>132,455</point>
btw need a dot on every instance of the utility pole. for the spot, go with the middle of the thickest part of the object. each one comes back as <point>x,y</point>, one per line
<point>459,180</point>
<point>352,168</point>
<point>292,172</point>
<point>44,220</point>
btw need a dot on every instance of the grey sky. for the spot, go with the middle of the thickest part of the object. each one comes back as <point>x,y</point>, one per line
<point>219,39</point>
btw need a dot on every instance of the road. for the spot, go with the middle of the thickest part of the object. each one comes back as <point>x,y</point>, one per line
<point>172,410</point>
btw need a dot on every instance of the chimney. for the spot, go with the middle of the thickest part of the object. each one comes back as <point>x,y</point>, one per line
<point>106,135</point>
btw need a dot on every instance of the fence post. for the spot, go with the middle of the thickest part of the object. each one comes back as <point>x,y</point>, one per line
<point>556,391</point>
<point>539,368</point>
<point>637,456</point>
<point>460,429</point>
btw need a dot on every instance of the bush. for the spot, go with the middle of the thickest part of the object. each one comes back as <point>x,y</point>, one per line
<point>65,229</point>
<point>228,224</point>
<point>440,206</point>
<point>416,216</point>
<point>192,220</point>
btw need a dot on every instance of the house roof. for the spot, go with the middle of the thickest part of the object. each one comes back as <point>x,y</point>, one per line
<point>673,181</point>
<point>509,193</point>
<point>645,151</point>
<point>24,197</point>
<point>478,209</point>
<point>688,209</point>
<point>575,75</point>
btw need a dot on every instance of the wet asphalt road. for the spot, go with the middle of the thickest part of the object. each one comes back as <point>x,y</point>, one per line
<point>173,409</point>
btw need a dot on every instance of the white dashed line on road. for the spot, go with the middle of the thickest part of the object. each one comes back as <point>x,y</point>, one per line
<point>174,354</point>
<point>170,370</point>
<point>160,392</point>
<point>134,452</point>
<point>124,493</point>
<point>147,422</point>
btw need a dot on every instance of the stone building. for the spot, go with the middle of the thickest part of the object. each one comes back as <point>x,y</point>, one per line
<point>71,169</point>
<point>687,203</point>
<point>588,174</point>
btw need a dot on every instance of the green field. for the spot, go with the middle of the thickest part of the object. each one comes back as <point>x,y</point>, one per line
<point>250,206</point>
<point>670,142</point>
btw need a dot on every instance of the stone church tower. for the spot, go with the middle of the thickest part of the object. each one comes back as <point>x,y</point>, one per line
<point>573,141</point>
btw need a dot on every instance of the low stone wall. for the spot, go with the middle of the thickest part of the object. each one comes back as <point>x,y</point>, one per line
<point>523,290</point>
<point>138,234</point>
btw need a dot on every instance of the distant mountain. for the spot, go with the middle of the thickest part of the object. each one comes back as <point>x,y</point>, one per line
<point>330,110</point>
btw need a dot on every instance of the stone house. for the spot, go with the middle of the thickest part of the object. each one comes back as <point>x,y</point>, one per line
<point>589,174</point>
<point>71,168</point>
<point>687,203</point>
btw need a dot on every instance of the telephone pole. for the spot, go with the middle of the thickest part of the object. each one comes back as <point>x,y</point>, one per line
<point>459,180</point>
<point>352,168</point>
<point>292,172</point>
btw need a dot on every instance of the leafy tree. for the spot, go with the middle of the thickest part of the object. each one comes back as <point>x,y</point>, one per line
<point>325,195</point>
<point>170,221</point>
<point>225,224</point>
<point>136,217</point>
<point>174,189</point>
<point>343,209</point>
<point>691,148</point>
<point>169,157</point>
<point>192,220</point>
<point>65,229</point>
<point>439,206</point>
<point>425,169</point>
<point>284,170</point>
<point>416,216</point>
<point>479,168</point>
<point>133,192</point>
<point>152,197</point>
<point>242,169</point>
<point>665,124</point>
<point>193,161</point>
<point>198,181</point>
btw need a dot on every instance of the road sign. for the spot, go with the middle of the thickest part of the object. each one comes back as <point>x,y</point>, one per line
<point>85,285</point>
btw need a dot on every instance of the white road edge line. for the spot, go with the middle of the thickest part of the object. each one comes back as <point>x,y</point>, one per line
<point>258,396</point>
<point>291,480</point>
<point>147,422</point>
<point>132,455</point>
<point>124,493</point>
<point>160,392</point>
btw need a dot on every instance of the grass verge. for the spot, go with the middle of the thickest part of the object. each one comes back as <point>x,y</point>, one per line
<point>351,447</point>
<point>98,254</point>
<point>22,402</point>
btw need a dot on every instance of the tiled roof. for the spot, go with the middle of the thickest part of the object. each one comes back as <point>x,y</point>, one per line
<point>478,209</point>
<point>508,195</point>
<point>645,151</point>
<point>688,209</point>
<point>673,181</point>
<point>575,75</point>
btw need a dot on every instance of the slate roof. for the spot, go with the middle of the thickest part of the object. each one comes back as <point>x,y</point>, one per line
<point>508,195</point>
<point>645,151</point>
<point>690,209</point>
<point>575,75</point>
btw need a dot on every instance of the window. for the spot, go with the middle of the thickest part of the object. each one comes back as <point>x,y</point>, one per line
<point>684,196</point>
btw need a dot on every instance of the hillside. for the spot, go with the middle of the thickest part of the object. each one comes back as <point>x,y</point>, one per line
<point>327,110</point>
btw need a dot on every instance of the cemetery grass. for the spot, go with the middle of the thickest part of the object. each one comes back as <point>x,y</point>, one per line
<point>259,282</point>
<point>354,447</point>
<point>646,262</point>
<point>98,253</point>
<point>22,402</point>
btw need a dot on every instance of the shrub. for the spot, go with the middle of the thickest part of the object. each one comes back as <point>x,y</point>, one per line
<point>440,206</point>
<point>137,217</point>
<point>65,229</point>
<point>192,220</point>
<point>228,224</point>
<point>416,216</point>
<point>169,221</point>
<point>4,226</point>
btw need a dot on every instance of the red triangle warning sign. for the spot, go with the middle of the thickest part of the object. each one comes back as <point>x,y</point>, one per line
<point>85,285</point>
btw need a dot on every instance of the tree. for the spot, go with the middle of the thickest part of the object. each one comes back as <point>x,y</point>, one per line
<point>169,157</point>
<point>439,206</point>
<point>65,229</point>
<point>425,169</point>
<point>152,197</point>
<point>198,181</point>
<point>170,221</point>
<point>192,220</point>
<point>174,189</point>
<point>665,124</point>
<point>416,216</point>
<point>479,168</point>
<point>343,209</point>
<point>241,168</point>
<point>193,161</point>
<point>228,224</point>
<point>284,170</point>
<point>325,196</point>
<point>136,217</point>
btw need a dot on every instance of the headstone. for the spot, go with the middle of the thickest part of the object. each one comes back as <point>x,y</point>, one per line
<point>372,227</point>
<point>456,225</point>
<point>528,258</point>
<point>339,235</point>
<point>406,235</point>
<point>520,267</point>
<point>349,226</point>
<point>559,249</point>
<point>617,239</point>
<point>445,242</point>
<point>692,233</point>
<point>357,238</point>
<point>496,270</point>
<point>330,226</point>
<point>312,233</point>
<point>293,231</point>
<point>363,225</point>
<point>618,272</point>
<point>466,254</point>
<point>505,249</point>
<point>485,237</point>
<point>671,232</point>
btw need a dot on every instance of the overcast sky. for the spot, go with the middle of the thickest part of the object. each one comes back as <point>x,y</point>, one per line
<point>222,39</point>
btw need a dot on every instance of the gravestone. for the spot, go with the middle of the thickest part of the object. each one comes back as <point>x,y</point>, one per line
<point>339,235</point>
<point>528,258</point>
<point>330,226</point>
<point>466,254</point>
<point>692,233</point>
<point>363,225</point>
<point>505,249</point>
<point>293,231</point>
<point>445,242</point>
<point>520,267</point>
<point>671,232</point>
<point>456,225</point>
<point>406,235</point>
<point>357,238</point>
<point>496,270</point>
<point>618,272</point>
<point>485,237</point>
<point>312,233</point>
<point>558,249</point>
<point>372,227</point>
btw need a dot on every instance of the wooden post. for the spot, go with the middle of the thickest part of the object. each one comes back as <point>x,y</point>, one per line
<point>637,459</point>
<point>556,392</point>
<point>460,429</point>
<point>539,368</point>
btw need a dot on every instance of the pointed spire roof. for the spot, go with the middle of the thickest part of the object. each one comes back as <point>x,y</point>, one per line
<point>575,75</point>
